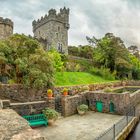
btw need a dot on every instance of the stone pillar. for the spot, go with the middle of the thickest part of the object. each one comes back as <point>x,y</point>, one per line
<point>64,106</point>
<point>51,103</point>
<point>5,104</point>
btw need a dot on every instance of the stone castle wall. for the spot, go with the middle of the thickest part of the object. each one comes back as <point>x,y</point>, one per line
<point>6,28</point>
<point>53,27</point>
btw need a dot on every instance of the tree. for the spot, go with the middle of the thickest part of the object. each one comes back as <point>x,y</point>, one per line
<point>85,51</point>
<point>31,65</point>
<point>134,50</point>
<point>110,52</point>
<point>73,50</point>
<point>58,63</point>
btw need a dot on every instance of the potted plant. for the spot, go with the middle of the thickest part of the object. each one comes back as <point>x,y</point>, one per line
<point>82,109</point>
<point>51,115</point>
<point>49,93</point>
<point>65,91</point>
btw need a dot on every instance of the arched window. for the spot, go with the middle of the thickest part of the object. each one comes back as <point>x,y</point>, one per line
<point>57,35</point>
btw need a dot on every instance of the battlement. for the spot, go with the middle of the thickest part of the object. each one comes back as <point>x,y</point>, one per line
<point>6,21</point>
<point>62,17</point>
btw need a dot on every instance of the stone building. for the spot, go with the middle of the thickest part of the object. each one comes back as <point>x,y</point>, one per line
<point>52,29</point>
<point>6,28</point>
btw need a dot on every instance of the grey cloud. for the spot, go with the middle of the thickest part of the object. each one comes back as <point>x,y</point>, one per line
<point>133,3</point>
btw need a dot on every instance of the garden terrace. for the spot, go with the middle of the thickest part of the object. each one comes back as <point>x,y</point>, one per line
<point>87,94</point>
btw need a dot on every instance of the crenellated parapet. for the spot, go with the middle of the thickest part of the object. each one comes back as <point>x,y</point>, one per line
<point>62,17</point>
<point>6,21</point>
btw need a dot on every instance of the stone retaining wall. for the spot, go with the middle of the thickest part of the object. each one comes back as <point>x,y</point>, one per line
<point>77,95</point>
<point>29,108</point>
<point>70,103</point>
<point>21,94</point>
<point>120,101</point>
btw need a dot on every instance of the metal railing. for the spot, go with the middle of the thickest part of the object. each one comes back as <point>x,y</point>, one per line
<point>113,131</point>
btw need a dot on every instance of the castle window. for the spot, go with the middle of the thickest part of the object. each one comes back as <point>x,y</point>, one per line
<point>59,47</point>
<point>58,28</point>
<point>57,35</point>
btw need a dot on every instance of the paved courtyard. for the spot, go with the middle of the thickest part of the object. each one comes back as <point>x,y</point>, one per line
<point>78,127</point>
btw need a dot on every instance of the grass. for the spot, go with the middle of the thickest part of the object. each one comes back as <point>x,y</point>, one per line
<point>77,78</point>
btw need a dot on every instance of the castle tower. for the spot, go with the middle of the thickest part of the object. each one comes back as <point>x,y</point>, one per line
<point>6,28</point>
<point>53,28</point>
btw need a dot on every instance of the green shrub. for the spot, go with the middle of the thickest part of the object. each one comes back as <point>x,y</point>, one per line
<point>107,89</point>
<point>82,107</point>
<point>24,60</point>
<point>11,81</point>
<point>50,113</point>
<point>105,73</point>
<point>136,74</point>
<point>57,60</point>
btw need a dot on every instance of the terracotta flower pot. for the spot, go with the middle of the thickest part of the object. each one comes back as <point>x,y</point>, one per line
<point>51,122</point>
<point>50,95</point>
<point>65,93</point>
<point>81,112</point>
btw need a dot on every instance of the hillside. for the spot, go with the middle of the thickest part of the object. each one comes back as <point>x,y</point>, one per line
<point>77,78</point>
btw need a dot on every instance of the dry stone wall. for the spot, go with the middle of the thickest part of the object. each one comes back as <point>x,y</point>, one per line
<point>19,93</point>
<point>120,101</point>
<point>70,103</point>
<point>29,108</point>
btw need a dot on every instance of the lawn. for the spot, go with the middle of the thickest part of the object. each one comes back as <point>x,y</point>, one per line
<point>77,78</point>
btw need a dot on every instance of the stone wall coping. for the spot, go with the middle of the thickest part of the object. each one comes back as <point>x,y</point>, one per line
<point>28,103</point>
<point>105,93</point>
<point>5,100</point>
<point>125,132</point>
<point>134,93</point>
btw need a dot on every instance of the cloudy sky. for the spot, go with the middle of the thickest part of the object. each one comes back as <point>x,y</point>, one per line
<point>87,17</point>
